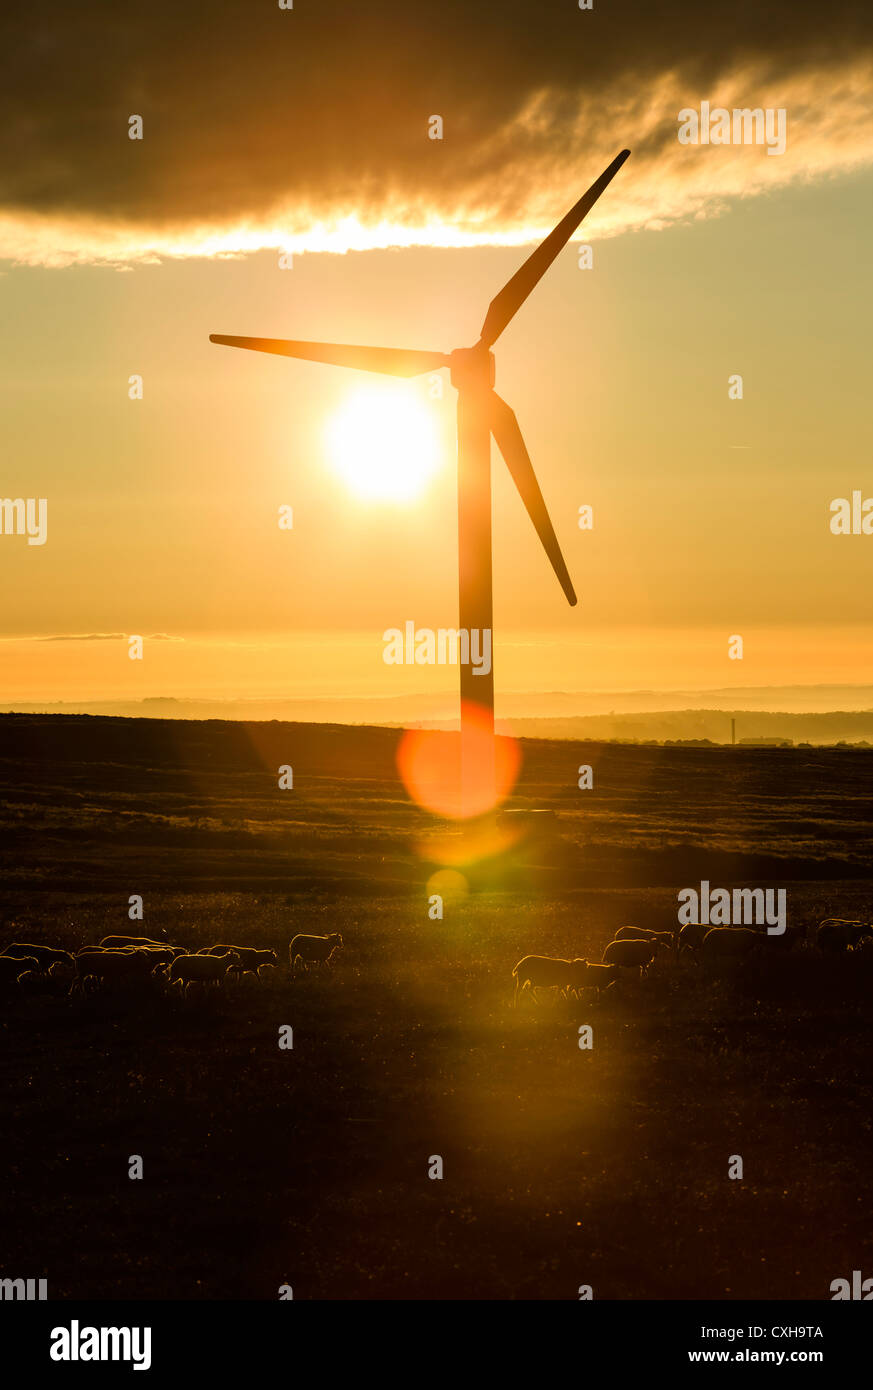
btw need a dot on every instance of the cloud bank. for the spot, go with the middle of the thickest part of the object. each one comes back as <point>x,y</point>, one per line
<point>307,129</point>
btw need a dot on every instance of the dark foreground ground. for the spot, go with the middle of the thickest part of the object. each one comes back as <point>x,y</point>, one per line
<point>562,1167</point>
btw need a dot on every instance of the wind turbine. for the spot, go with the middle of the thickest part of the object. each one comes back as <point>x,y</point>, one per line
<point>481,414</point>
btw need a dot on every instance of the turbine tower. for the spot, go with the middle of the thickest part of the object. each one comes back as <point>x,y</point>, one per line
<point>481,414</point>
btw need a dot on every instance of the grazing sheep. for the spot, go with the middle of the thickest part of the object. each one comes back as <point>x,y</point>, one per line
<point>814,929</point>
<point>124,966</point>
<point>598,977</point>
<point>250,958</point>
<point>782,941</point>
<point>691,936</point>
<point>46,955</point>
<point>312,949</point>
<point>732,943</point>
<point>834,935</point>
<point>664,938</point>
<point>91,950</point>
<point>109,942</point>
<point>253,959</point>
<point>13,967</point>
<point>55,983</point>
<point>209,970</point>
<point>630,954</point>
<point>542,972</point>
<point>161,955</point>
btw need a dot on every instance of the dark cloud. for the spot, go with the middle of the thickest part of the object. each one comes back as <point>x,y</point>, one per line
<point>251,112</point>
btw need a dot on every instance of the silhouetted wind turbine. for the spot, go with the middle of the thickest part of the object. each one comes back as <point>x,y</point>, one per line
<point>481,413</point>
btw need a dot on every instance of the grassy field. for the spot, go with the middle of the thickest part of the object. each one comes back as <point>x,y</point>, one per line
<point>563,1167</point>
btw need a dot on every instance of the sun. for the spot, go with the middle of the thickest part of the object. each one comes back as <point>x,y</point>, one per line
<point>383,442</point>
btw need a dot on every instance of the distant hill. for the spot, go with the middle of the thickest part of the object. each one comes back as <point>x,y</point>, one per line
<point>813,714</point>
<point>849,726</point>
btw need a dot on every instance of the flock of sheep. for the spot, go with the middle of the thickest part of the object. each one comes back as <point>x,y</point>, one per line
<point>129,960</point>
<point>636,948</point>
<point>126,960</point>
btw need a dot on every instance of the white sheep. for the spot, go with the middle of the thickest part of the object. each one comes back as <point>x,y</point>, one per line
<point>110,942</point>
<point>91,950</point>
<point>115,966</point>
<point>250,958</point>
<point>598,977</point>
<point>188,970</point>
<point>836,935</point>
<point>730,943</point>
<point>161,955</point>
<point>691,936</point>
<point>310,950</point>
<point>543,972</point>
<point>13,967</point>
<point>46,955</point>
<point>666,938</point>
<point>56,982</point>
<point>630,954</point>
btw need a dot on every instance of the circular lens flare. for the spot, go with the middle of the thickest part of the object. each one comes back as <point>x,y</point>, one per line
<point>459,775</point>
<point>450,884</point>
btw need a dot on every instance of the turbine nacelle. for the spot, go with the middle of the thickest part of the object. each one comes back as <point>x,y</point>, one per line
<point>472,368</point>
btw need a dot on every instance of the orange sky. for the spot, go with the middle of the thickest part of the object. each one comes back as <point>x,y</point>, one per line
<point>711,515</point>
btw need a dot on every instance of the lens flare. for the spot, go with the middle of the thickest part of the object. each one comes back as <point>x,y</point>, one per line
<point>449,884</point>
<point>455,781</point>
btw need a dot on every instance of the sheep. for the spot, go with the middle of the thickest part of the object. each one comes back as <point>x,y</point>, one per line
<point>691,936</point>
<point>631,953</point>
<point>310,949</point>
<point>254,959</point>
<point>733,943</point>
<point>251,959</point>
<point>188,970</point>
<point>834,935</point>
<point>114,965</point>
<point>782,941</point>
<point>161,955</point>
<point>92,950</point>
<point>814,929</point>
<point>537,972</point>
<point>598,977</point>
<point>154,953</point>
<point>46,955</point>
<point>665,938</point>
<point>13,967</point>
<point>109,942</point>
<point>56,982</point>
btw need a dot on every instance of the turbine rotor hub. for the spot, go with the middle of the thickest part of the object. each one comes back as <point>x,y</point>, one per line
<point>472,368</point>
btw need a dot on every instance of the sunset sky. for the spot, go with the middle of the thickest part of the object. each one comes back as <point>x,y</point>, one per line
<point>307,130</point>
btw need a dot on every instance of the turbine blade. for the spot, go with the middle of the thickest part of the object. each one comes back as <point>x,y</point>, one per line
<point>390,361</point>
<point>507,433</point>
<point>506,304</point>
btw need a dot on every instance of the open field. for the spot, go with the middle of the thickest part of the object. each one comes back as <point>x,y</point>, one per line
<point>562,1166</point>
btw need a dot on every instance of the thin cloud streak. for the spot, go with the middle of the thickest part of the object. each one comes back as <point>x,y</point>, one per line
<point>96,637</point>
